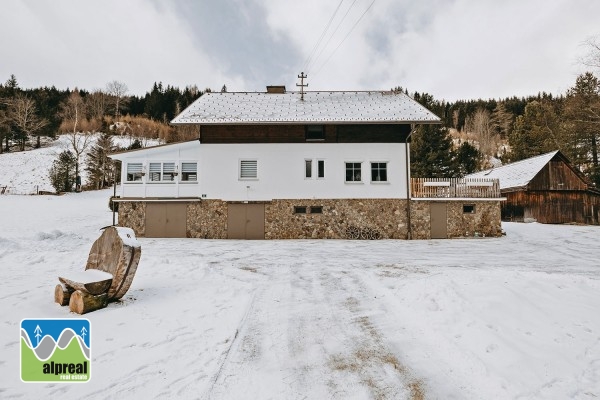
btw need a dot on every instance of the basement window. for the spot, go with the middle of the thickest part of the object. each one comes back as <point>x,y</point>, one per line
<point>468,208</point>
<point>314,133</point>
<point>299,210</point>
<point>316,210</point>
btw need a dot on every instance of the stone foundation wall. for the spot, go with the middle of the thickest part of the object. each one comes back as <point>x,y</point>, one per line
<point>384,217</point>
<point>420,220</point>
<point>483,222</point>
<point>207,219</point>
<point>133,215</point>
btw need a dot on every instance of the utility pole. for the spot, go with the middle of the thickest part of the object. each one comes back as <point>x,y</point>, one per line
<point>302,76</point>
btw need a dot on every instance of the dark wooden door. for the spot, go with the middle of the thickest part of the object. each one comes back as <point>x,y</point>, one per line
<point>439,220</point>
<point>246,221</point>
<point>166,220</point>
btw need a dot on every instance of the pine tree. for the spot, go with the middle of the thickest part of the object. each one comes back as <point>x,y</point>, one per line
<point>431,153</point>
<point>582,111</point>
<point>100,168</point>
<point>539,130</point>
<point>62,172</point>
<point>468,159</point>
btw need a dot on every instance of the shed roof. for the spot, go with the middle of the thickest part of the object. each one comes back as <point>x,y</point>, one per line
<point>317,107</point>
<point>517,174</point>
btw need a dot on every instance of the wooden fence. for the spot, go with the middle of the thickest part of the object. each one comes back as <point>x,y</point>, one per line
<point>454,188</point>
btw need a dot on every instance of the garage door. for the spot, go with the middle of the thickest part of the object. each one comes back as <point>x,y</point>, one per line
<point>246,221</point>
<point>166,220</point>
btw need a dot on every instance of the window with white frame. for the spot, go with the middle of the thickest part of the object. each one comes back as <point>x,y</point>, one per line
<point>320,168</point>
<point>353,172</point>
<point>162,172</point>
<point>155,172</point>
<point>378,172</point>
<point>308,168</point>
<point>169,171</point>
<point>189,172</point>
<point>248,169</point>
<point>134,172</point>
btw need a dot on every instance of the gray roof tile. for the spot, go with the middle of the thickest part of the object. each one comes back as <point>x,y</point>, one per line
<point>317,107</point>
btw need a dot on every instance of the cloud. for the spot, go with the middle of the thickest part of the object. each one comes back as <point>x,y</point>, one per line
<point>87,44</point>
<point>450,48</point>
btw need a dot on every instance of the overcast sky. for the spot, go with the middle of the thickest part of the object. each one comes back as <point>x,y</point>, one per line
<point>453,49</point>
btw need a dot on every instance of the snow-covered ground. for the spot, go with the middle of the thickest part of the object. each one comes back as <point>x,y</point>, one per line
<point>515,317</point>
<point>26,172</point>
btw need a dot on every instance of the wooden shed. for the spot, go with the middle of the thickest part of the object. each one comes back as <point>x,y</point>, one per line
<point>546,189</point>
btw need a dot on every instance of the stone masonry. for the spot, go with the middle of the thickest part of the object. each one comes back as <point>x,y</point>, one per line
<point>207,219</point>
<point>483,222</point>
<point>338,219</point>
<point>386,217</point>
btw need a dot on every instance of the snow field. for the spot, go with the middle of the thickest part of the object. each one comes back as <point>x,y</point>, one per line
<point>504,318</point>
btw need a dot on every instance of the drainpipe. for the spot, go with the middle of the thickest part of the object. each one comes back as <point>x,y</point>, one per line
<point>413,128</point>
<point>114,192</point>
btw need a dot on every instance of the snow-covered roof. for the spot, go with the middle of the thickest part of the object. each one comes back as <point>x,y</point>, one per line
<point>517,174</point>
<point>317,107</point>
<point>167,147</point>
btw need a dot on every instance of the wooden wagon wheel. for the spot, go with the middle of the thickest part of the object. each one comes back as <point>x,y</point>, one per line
<point>373,234</point>
<point>365,233</point>
<point>352,232</point>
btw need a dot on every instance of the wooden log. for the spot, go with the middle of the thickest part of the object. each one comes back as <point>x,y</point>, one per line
<point>117,252</point>
<point>91,281</point>
<point>62,294</point>
<point>82,302</point>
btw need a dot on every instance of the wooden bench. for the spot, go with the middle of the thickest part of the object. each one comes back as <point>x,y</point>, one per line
<point>108,274</point>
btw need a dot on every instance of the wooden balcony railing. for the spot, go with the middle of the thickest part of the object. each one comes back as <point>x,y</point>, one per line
<point>454,188</point>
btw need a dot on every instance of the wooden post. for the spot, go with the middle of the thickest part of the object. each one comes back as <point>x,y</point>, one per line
<point>82,302</point>
<point>62,294</point>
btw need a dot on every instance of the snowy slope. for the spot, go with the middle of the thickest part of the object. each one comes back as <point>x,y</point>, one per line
<point>505,318</point>
<point>27,172</point>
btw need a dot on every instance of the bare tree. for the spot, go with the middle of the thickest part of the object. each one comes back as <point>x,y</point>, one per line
<point>117,91</point>
<point>592,58</point>
<point>96,104</point>
<point>73,111</point>
<point>23,115</point>
<point>480,124</point>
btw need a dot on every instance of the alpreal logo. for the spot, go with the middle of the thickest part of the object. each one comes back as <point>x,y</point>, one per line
<point>55,350</point>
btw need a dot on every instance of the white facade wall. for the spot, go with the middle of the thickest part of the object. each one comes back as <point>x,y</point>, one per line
<point>281,171</point>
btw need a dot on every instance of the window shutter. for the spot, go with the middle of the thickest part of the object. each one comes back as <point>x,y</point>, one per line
<point>168,168</point>
<point>188,167</point>
<point>134,168</point>
<point>154,168</point>
<point>248,169</point>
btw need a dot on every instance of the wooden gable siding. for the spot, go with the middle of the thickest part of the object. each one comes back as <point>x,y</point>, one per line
<point>374,133</point>
<point>552,207</point>
<point>557,175</point>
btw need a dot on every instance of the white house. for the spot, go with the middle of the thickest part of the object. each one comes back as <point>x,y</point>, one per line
<point>278,164</point>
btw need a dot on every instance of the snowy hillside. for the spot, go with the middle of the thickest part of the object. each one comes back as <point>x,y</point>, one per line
<point>26,172</point>
<point>505,318</point>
